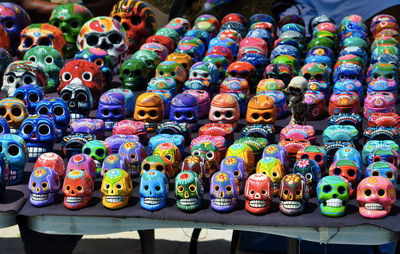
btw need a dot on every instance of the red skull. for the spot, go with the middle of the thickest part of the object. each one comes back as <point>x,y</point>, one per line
<point>258,192</point>
<point>78,189</point>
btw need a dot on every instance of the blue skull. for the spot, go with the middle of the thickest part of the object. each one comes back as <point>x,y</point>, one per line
<point>111,108</point>
<point>184,108</point>
<point>258,61</point>
<point>375,144</point>
<point>164,83</point>
<point>153,190</point>
<point>204,36</point>
<point>204,70</point>
<point>56,109</point>
<point>175,139</point>
<point>384,169</point>
<point>14,149</point>
<point>263,34</point>
<point>31,95</point>
<point>310,170</point>
<point>4,127</point>
<point>221,62</point>
<point>348,71</point>
<point>285,50</point>
<point>350,85</point>
<point>349,153</point>
<point>357,51</point>
<point>227,42</point>
<point>39,134</point>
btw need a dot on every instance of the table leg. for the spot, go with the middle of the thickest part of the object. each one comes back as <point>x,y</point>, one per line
<point>147,241</point>
<point>194,240</point>
<point>293,246</point>
<point>235,242</point>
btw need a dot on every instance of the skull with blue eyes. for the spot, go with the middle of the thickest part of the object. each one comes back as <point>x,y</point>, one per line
<point>384,169</point>
<point>348,71</point>
<point>153,190</point>
<point>184,108</point>
<point>4,127</point>
<point>16,153</point>
<point>56,109</point>
<point>101,59</point>
<point>39,134</point>
<point>31,95</point>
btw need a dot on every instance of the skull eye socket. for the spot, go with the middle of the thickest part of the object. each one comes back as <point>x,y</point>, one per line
<point>210,155</point>
<point>375,76</point>
<point>275,174</point>
<point>236,173</point>
<point>252,192</point>
<point>307,76</point>
<point>304,156</point>
<point>229,114</point>
<point>67,187</point>
<point>66,96</point>
<point>19,96</point>
<point>16,111</point>
<point>44,129</point>
<point>286,191</point>
<point>137,72</point>
<point>115,38</point>
<point>87,76</point>
<point>99,62</point>
<point>180,188</point>
<point>390,76</point>
<point>92,40</point>
<point>136,20</point>
<point>228,188</point>
<point>58,111</point>
<point>81,97</point>
<point>118,18</point>
<point>9,25</point>
<point>79,188</point>
<point>13,150</point>
<point>45,42</point>
<point>389,174</point>
<point>341,190</point>
<point>318,77</point>
<point>34,184</point>
<point>66,76</point>
<point>353,76</point>
<point>217,114</point>
<point>44,185</point>
<point>116,112</point>
<point>255,116</point>
<point>33,97</point>
<point>100,152</point>
<point>146,167</point>
<point>1,132</point>
<point>270,75</point>
<point>189,115</point>
<point>125,72</point>
<point>216,188</point>
<point>158,187</point>
<point>264,192</point>
<point>177,114</point>
<point>337,171</point>
<point>10,79</point>
<point>381,192</point>
<point>141,113</point>
<point>192,188</point>
<point>49,60</point>
<point>107,186</point>
<point>298,193</point>
<point>32,58</point>
<point>327,188</point>
<point>159,168</point>
<point>146,187</point>
<point>318,158</point>
<point>56,24</point>
<point>28,42</point>
<point>105,112</point>
<point>87,151</point>
<point>197,153</point>
<point>118,186</point>
<point>173,74</point>
<point>153,113</point>
<point>27,129</point>
<point>375,173</point>
<point>168,157</point>
<point>194,74</point>
<point>309,176</point>
<point>75,24</point>
<point>367,192</point>
<point>133,156</point>
<point>3,111</point>
<point>351,172</point>
<point>28,80</point>
<point>43,111</point>
<point>160,73</point>
<point>266,116</point>
<point>390,160</point>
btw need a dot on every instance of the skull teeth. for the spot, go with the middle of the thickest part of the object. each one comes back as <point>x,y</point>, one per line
<point>98,164</point>
<point>188,201</point>
<point>113,199</point>
<point>75,116</point>
<point>291,204</point>
<point>222,201</point>
<point>373,206</point>
<point>276,186</point>
<point>73,199</point>
<point>109,124</point>
<point>39,197</point>
<point>34,152</point>
<point>150,125</point>
<point>152,201</point>
<point>13,131</point>
<point>13,175</point>
<point>258,203</point>
<point>334,202</point>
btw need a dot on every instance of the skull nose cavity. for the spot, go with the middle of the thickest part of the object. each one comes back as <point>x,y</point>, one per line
<point>221,194</point>
<point>257,195</point>
<point>104,45</point>
<point>112,191</point>
<point>77,81</point>
<point>334,195</point>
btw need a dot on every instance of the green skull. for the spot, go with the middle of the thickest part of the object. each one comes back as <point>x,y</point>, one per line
<point>170,33</point>
<point>134,74</point>
<point>188,191</point>
<point>50,60</point>
<point>210,152</point>
<point>150,58</point>
<point>70,19</point>
<point>97,151</point>
<point>333,195</point>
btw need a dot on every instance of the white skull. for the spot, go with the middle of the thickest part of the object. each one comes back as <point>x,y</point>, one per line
<point>21,73</point>
<point>105,33</point>
<point>296,89</point>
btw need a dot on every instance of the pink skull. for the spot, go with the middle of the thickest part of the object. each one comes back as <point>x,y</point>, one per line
<point>258,192</point>
<point>376,196</point>
<point>224,109</point>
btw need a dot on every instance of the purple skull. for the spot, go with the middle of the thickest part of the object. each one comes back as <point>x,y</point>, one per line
<point>224,191</point>
<point>43,185</point>
<point>115,161</point>
<point>115,141</point>
<point>236,166</point>
<point>111,108</point>
<point>184,108</point>
<point>134,152</point>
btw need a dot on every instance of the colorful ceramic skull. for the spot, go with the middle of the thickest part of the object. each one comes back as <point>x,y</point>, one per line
<point>273,168</point>
<point>134,152</point>
<point>172,70</point>
<point>58,111</point>
<point>315,153</point>
<point>261,110</point>
<point>158,163</point>
<point>39,134</point>
<point>149,109</point>
<point>116,188</point>
<point>31,95</point>
<point>348,153</point>
<point>245,152</point>
<point>209,152</point>
<point>236,166</point>
<point>333,195</point>
<point>78,189</point>
<point>383,70</point>
<point>14,112</point>
<point>259,193</point>
<point>150,58</point>
<point>279,71</point>
<point>172,153</point>
<point>383,154</point>
<point>224,109</point>
<point>188,191</point>
<point>138,20</point>
<point>223,191</point>
<point>114,161</point>
<point>153,190</point>
<point>82,162</point>
<point>349,71</point>
<point>204,70</point>
<point>383,169</point>
<point>376,195</point>
<point>42,34</point>
<point>97,151</point>
<point>69,18</point>
<point>278,152</point>
<point>348,170</point>
<point>105,33</point>
<point>310,170</point>
<point>111,108</point>
<point>14,149</point>
<point>83,72</point>
<point>53,161</point>
<point>20,73</point>
<point>44,184</point>
<point>79,100</point>
<point>293,194</point>
<point>134,74</point>
<point>51,62</point>
<point>184,108</point>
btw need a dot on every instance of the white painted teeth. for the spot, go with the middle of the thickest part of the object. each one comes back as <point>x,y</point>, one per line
<point>222,201</point>
<point>257,203</point>
<point>74,199</point>
<point>75,116</point>
<point>109,124</point>
<point>150,125</point>
<point>373,206</point>
<point>98,163</point>
<point>13,131</point>
<point>13,175</point>
<point>276,186</point>
<point>39,197</point>
<point>113,199</point>
<point>34,152</point>
<point>188,201</point>
<point>291,204</point>
<point>152,201</point>
<point>334,202</point>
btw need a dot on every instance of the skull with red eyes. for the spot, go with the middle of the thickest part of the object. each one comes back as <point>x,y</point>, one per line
<point>83,72</point>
